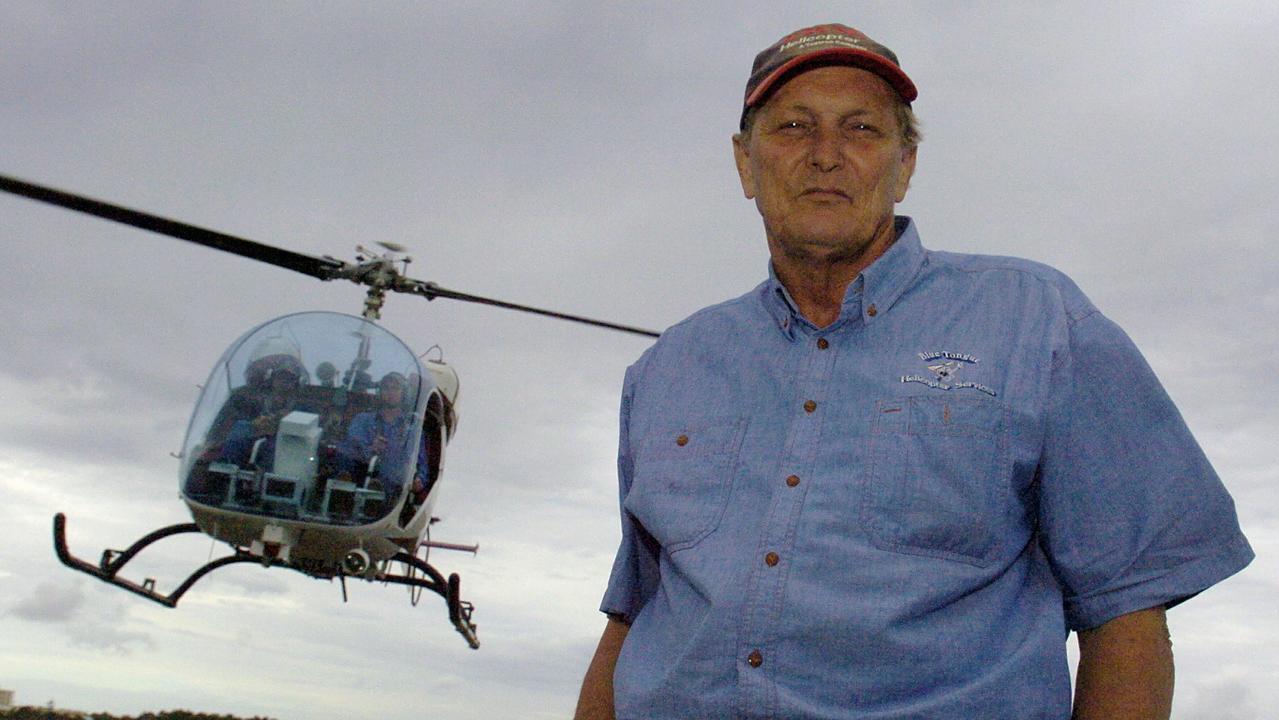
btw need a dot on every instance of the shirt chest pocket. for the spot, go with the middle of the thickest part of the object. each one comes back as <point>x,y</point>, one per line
<point>937,474</point>
<point>681,480</point>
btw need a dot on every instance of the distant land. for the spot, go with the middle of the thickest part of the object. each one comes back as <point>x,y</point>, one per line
<point>44,713</point>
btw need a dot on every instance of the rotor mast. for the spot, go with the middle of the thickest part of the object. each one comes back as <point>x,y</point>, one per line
<point>378,272</point>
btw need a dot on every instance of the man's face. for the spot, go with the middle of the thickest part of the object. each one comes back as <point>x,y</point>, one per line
<point>391,392</point>
<point>825,164</point>
<point>283,381</point>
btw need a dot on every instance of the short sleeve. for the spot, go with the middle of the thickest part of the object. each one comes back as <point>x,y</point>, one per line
<point>635,569</point>
<point>1131,513</point>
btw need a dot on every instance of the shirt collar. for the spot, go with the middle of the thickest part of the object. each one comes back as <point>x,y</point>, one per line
<point>868,297</point>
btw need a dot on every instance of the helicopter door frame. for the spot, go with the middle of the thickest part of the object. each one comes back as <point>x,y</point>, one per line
<point>434,434</point>
<point>434,423</point>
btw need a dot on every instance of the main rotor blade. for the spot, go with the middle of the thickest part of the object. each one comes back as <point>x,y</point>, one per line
<point>431,291</point>
<point>322,268</point>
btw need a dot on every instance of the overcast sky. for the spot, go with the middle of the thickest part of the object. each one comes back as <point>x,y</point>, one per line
<point>572,155</point>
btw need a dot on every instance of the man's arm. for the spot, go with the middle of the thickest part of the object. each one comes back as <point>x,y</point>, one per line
<point>1125,669</point>
<point>596,699</point>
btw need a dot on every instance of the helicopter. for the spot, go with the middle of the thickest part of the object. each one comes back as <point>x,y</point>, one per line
<point>318,440</point>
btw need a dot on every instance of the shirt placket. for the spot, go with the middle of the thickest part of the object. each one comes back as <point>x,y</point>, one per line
<point>764,615</point>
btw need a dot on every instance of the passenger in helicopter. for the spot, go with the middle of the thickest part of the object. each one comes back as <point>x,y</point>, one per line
<point>326,374</point>
<point>330,401</point>
<point>381,433</point>
<point>356,380</point>
<point>273,384</point>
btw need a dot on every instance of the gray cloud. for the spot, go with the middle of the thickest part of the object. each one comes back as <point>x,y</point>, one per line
<point>103,635</point>
<point>51,602</point>
<point>574,156</point>
<point>1227,700</point>
<point>86,619</point>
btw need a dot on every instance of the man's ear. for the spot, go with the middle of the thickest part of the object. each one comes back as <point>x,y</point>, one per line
<point>905,171</point>
<point>741,154</point>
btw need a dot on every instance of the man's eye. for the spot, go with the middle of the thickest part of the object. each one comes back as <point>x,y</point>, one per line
<point>791,126</point>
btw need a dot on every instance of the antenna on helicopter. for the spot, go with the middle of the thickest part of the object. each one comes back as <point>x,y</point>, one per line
<point>377,271</point>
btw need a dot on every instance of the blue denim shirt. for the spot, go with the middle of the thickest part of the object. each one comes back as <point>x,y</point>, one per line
<point>365,428</point>
<point>900,515</point>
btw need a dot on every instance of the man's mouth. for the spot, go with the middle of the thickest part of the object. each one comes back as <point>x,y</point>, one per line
<point>825,193</point>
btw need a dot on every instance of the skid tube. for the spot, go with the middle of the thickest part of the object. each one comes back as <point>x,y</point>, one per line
<point>112,561</point>
<point>459,610</point>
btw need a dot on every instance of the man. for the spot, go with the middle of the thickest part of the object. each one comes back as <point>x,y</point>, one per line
<point>271,391</point>
<point>888,481</point>
<point>383,433</point>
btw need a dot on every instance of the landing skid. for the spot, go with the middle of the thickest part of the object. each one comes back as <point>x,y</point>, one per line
<point>112,561</point>
<point>459,610</point>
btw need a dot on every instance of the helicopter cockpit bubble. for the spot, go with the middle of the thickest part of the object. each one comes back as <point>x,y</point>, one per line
<point>264,440</point>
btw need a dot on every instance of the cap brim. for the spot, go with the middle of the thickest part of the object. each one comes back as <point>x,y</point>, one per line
<point>864,59</point>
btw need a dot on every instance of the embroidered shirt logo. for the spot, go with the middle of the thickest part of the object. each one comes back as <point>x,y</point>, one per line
<point>945,367</point>
<point>945,371</point>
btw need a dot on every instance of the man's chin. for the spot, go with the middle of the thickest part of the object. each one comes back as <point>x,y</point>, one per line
<point>829,246</point>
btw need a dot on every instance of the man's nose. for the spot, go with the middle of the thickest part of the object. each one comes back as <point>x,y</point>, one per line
<point>826,153</point>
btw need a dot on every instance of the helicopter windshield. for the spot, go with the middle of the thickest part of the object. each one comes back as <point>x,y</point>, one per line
<point>315,417</point>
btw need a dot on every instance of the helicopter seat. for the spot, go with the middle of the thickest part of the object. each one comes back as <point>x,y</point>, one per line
<point>226,483</point>
<point>256,452</point>
<point>216,483</point>
<point>347,501</point>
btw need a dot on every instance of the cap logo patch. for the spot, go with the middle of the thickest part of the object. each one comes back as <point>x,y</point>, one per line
<point>829,39</point>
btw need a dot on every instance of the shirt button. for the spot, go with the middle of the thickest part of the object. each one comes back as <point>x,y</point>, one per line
<point>682,440</point>
<point>792,481</point>
<point>872,310</point>
<point>755,659</point>
<point>810,406</point>
<point>771,559</point>
<point>822,344</point>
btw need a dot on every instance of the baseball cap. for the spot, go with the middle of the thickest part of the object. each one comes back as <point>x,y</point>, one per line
<point>829,44</point>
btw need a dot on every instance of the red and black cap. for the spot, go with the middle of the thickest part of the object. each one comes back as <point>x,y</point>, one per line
<point>823,45</point>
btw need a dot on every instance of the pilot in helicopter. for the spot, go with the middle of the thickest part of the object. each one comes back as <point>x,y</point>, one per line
<point>381,433</point>
<point>272,383</point>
